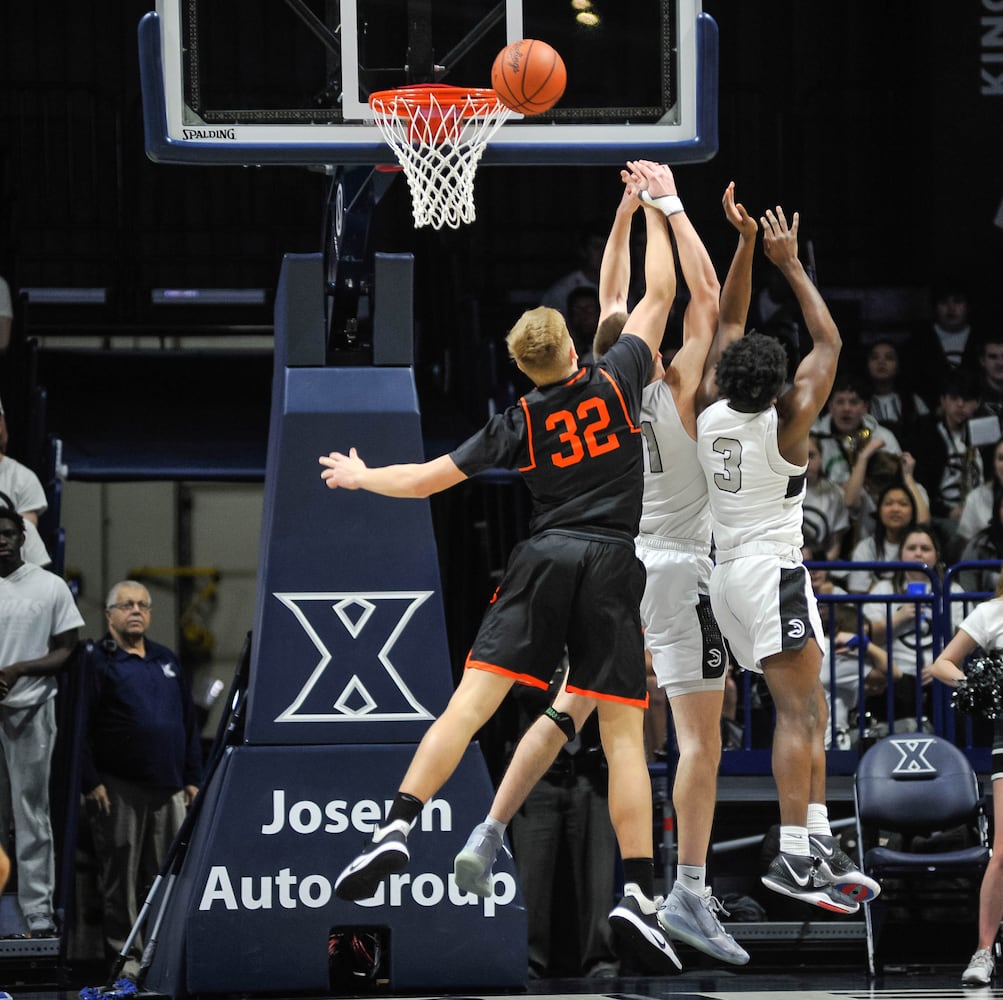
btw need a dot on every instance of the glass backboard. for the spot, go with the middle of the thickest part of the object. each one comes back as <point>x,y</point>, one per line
<point>287,81</point>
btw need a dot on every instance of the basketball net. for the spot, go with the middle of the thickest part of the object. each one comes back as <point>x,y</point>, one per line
<point>438,134</point>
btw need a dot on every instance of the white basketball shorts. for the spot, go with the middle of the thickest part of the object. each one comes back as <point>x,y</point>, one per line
<point>687,651</point>
<point>764,605</point>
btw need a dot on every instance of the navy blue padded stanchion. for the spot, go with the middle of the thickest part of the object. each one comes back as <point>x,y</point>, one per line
<point>349,666</point>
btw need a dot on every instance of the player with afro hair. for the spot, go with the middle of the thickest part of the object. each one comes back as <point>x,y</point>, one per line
<point>752,372</point>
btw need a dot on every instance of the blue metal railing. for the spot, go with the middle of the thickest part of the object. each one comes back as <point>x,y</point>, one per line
<point>942,605</point>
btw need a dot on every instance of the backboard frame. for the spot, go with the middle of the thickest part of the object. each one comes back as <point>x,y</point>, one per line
<point>174,134</point>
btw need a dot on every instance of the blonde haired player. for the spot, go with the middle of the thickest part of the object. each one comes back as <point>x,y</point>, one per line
<point>574,582</point>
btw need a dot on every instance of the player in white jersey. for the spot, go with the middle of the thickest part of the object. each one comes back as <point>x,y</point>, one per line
<point>753,447</point>
<point>689,656</point>
<point>688,653</point>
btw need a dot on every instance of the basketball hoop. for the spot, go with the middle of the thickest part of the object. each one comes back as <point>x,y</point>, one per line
<point>438,134</point>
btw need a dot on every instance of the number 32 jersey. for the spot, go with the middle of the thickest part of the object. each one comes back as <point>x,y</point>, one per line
<point>756,495</point>
<point>577,444</point>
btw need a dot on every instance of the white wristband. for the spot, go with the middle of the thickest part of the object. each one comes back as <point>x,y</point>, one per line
<point>670,204</point>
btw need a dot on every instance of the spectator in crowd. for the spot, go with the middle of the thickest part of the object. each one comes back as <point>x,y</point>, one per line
<point>979,505</point>
<point>991,372</point>
<point>982,629</point>
<point>849,648</point>
<point>826,520</point>
<point>38,633</point>
<point>875,470</point>
<point>943,343</point>
<point>911,630</point>
<point>947,463</point>
<point>24,489</point>
<point>34,550</point>
<point>6,315</point>
<point>984,545</point>
<point>847,427</point>
<point>896,516</point>
<point>141,762</point>
<point>892,405</point>
<point>591,243</point>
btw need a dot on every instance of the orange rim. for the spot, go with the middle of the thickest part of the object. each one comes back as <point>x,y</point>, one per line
<point>406,101</point>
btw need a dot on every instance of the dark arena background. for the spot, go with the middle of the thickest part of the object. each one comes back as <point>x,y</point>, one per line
<point>149,298</point>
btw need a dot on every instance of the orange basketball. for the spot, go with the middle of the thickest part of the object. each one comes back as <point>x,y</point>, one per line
<point>529,76</point>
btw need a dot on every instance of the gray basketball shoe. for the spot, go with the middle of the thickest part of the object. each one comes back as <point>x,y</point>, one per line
<point>472,866</point>
<point>692,918</point>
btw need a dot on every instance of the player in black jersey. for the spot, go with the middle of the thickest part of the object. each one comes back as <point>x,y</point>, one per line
<point>574,583</point>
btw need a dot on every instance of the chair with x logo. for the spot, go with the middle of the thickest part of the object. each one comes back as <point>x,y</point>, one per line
<point>920,815</point>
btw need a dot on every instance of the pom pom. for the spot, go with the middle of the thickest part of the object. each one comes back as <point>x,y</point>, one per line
<point>980,691</point>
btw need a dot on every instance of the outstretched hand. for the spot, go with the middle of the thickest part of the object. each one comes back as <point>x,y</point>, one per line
<point>342,470</point>
<point>736,214</point>
<point>646,175</point>
<point>780,240</point>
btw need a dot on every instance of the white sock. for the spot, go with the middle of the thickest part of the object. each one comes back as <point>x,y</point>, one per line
<point>693,877</point>
<point>496,824</point>
<point>794,840</point>
<point>818,819</point>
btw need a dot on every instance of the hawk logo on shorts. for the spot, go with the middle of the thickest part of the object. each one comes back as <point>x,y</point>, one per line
<point>714,659</point>
<point>796,628</point>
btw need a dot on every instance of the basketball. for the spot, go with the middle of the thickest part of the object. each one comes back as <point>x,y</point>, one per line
<point>529,76</point>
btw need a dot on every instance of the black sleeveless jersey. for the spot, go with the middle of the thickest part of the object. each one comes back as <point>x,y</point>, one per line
<point>577,444</point>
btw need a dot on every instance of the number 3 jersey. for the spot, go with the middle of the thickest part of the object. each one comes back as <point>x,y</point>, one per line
<point>756,495</point>
<point>577,444</point>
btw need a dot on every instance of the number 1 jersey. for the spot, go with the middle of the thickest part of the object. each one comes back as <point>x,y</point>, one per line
<point>577,444</point>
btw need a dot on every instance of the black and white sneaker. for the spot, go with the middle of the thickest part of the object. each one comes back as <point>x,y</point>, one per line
<point>635,923</point>
<point>835,866</point>
<point>798,876</point>
<point>386,853</point>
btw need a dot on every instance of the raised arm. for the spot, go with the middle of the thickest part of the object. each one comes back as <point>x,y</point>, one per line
<point>649,316</point>
<point>686,372</point>
<point>413,481</point>
<point>800,406</point>
<point>853,488</point>
<point>736,294</point>
<point>701,317</point>
<point>614,271</point>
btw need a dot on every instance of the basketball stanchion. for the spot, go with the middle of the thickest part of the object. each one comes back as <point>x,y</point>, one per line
<point>438,133</point>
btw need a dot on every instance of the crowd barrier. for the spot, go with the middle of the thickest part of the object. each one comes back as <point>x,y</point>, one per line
<point>940,609</point>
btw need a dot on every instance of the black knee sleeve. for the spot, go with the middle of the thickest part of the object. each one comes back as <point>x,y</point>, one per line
<point>563,721</point>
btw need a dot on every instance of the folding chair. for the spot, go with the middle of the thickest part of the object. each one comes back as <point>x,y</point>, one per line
<point>914,785</point>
